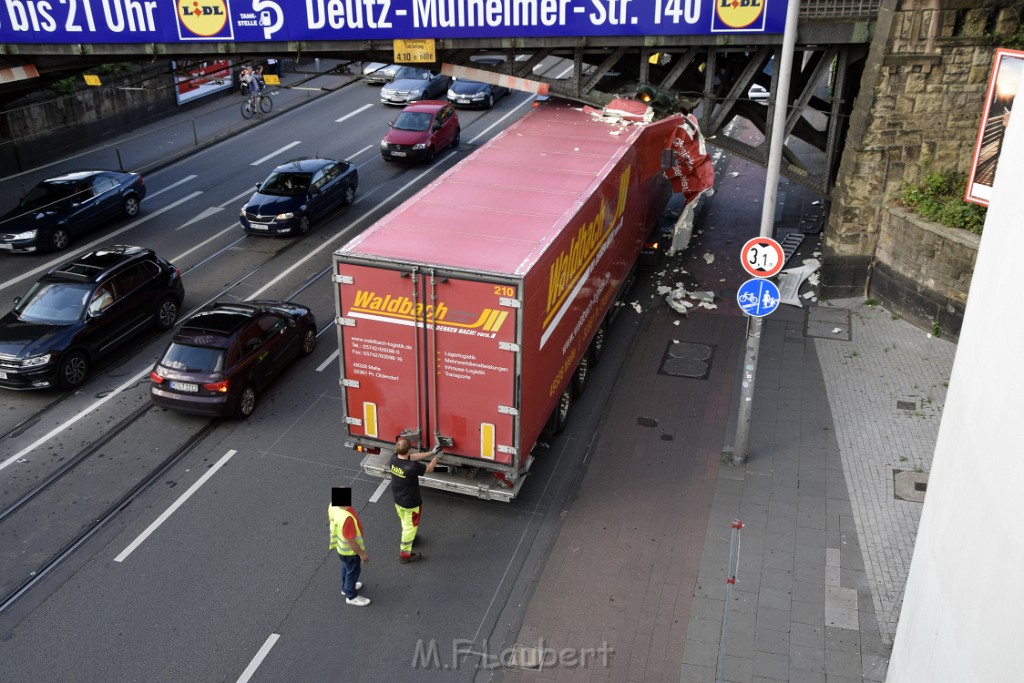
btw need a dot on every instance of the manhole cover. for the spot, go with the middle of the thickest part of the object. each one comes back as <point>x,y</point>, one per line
<point>523,657</point>
<point>906,405</point>
<point>909,485</point>
<point>825,322</point>
<point>687,359</point>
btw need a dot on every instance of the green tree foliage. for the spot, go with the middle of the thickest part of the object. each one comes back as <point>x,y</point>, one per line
<point>939,197</point>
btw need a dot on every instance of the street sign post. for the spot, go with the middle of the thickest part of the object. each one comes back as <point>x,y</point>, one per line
<point>762,257</point>
<point>758,297</point>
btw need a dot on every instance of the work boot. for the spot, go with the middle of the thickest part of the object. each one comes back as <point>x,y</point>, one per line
<point>411,557</point>
<point>358,601</point>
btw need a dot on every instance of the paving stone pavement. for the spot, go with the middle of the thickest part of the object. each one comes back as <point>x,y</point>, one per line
<point>846,395</point>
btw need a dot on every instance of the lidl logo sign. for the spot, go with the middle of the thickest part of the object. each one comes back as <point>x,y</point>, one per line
<point>739,15</point>
<point>203,19</point>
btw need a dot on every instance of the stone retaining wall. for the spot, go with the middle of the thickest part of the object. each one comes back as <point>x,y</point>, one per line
<point>923,271</point>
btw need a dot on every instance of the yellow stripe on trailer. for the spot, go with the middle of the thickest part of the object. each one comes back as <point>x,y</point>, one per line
<point>370,418</point>
<point>487,441</point>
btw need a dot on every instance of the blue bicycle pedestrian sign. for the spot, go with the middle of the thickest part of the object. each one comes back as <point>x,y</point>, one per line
<point>758,297</point>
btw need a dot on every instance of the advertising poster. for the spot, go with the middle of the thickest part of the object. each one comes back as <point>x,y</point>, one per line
<point>193,80</point>
<point>1003,85</point>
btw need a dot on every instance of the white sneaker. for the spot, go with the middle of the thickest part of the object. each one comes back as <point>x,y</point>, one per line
<point>358,601</point>
<point>359,584</point>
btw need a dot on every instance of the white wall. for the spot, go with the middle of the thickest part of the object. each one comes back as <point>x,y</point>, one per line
<point>963,612</point>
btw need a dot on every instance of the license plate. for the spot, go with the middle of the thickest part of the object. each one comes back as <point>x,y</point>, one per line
<point>190,387</point>
<point>257,226</point>
<point>463,101</point>
<point>6,246</point>
<point>398,154</point>
<point>3,375</point>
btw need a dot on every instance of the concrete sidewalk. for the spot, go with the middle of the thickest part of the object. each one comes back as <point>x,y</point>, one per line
<point>845,417</point>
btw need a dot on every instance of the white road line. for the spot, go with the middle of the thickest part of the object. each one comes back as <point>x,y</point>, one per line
<point>245,193</point>
<point>364,149</point>
<point>61,427</point>
<point>276,152</point>
<point>258,659</point>
<point>330,359</point>
<point>174,506</point>
<point>171,187</point>
<point>105,239</point>
<point>380,491</point>
<point>357,111</point>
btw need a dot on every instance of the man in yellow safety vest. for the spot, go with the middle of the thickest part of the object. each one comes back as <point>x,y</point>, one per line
<point>347,539</point>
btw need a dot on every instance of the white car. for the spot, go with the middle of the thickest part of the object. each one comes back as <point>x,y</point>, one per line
<point>377,73</point>
<point>758,93</point>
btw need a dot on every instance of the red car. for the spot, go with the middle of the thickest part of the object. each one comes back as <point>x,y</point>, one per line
<point>421,131</point>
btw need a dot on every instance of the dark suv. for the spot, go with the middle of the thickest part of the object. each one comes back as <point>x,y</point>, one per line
<point>82,310</point>
<point>227,352</point>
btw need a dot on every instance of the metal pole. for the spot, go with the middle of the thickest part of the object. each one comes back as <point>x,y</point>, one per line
<point>733,569</point>
<point>771,191</point>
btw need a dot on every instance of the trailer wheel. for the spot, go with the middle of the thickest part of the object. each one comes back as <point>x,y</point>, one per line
<point>562,410</point>
<point>596,349</point>
<point>580,377</point>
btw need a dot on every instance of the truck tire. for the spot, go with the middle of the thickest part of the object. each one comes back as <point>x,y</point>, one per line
<point>562,409</point>
<point>596,348</point>
<point>580,377</point>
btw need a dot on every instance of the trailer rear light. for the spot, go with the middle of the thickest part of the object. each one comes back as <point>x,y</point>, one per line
<point>374,450</point>
<point>218,387</point>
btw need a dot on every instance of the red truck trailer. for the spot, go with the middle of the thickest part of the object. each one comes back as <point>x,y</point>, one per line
<point>471,315</point>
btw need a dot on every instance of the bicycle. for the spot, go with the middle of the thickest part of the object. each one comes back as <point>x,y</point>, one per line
<point>265,104</point>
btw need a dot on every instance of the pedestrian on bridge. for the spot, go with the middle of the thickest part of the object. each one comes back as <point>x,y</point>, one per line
<point>406,470</point>
<point>347,539</point>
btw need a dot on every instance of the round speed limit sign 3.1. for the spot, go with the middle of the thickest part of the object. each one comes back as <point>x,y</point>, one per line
<point>762,257</point>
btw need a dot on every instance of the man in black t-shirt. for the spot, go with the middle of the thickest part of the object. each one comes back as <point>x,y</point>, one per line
<point>406,469</point>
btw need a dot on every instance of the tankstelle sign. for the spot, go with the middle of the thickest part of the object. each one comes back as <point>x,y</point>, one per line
<point>179,21</point>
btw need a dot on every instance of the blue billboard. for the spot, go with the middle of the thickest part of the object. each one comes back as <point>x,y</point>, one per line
<point>187,21</point>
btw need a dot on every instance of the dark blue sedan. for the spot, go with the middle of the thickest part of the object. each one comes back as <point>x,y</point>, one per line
<point>296,194</point>
<point>60,208</point>
<point>465,93</point>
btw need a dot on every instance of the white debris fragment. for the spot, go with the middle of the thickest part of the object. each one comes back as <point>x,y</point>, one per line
<point>663,290</point>
<point>734,174</point>
<point>929,335</point>
<point>675,322</point>
<point>808,295</point>
<point>636,307</point>
<point>709,258</point>
<point>706,297</point>
<point>675,341</point>
<point>813,279</point>
<point>815,202</point>
<point>709,306</point>
<point>836,330</point>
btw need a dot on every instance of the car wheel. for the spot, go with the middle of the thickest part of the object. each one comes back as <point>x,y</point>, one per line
<point>350,194</point>
<point>130,208</point>
<point>73,369</point>
<point>431,153</point>
<point>59,240</point>
<point>490,100</point>
<point>246,402</point>
<point>303,225</point>
<point>458,136</point>
<point>308,341</point>
<point>166,313</point>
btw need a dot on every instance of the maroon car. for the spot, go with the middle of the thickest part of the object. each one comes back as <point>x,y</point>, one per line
<point>421,131</point>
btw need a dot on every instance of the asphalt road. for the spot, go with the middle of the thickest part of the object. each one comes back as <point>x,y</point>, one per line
<point>236,579</point>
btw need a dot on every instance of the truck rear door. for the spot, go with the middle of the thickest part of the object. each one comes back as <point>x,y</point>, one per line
<point>432,354</point>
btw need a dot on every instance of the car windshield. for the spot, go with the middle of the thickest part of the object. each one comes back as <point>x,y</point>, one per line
<point>54,303</point>
<point>47,195</point>
<point>413,120</point>
<point>286,184</point>
<point>187,358</point>
<point>412,72</point>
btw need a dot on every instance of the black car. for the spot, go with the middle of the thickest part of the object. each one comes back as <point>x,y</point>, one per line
<point>296,194</point>
<point>464,93</point>
<point>82,310</point>
<point>226,353</point>
<point>60,208</point>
